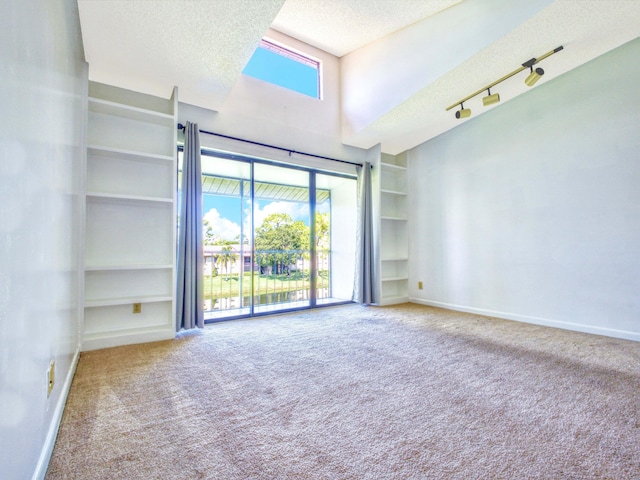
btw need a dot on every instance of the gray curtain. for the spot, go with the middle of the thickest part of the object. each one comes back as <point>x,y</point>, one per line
<point>364,291</point>
<point>190,276</point>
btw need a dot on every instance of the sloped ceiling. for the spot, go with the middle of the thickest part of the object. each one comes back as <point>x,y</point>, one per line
<point>151,45</point>
<point>585,28</point>
<point>343,26</point>
<point>402,61</point>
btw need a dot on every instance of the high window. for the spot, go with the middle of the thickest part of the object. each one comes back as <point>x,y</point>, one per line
<point>285,67</point>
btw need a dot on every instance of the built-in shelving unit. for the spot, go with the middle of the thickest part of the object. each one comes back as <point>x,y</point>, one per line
<point>130,217</point>
<point>394,245</point>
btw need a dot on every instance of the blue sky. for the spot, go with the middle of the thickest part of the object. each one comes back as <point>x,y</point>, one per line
<point>228,207</point>
<point>274,68</point>
<point>223,213</point>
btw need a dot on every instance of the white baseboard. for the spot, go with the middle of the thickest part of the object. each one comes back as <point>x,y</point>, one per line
<point>393,300</point>
<point>578,327</point>
<point>52,433</point>
<point>118,339</point>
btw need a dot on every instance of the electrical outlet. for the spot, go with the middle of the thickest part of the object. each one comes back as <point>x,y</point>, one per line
<point>419,285</point>
<point>137,307</point>
<point>51,377</point>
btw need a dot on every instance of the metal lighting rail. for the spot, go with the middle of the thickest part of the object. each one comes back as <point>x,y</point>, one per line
<point>527,64</point>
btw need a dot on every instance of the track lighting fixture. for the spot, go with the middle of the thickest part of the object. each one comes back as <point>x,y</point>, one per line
<point>490,99</point>
<point>463,112</point>
<point>534,76</point>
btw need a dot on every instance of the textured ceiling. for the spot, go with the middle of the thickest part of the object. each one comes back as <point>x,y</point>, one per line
<point>202,46</point>
<point>152,45</point>
<point>342,26</point>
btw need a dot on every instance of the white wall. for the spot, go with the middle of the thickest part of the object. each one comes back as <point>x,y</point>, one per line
<point>42,130</point>
<point>532,211</point>
<point>262,112</point>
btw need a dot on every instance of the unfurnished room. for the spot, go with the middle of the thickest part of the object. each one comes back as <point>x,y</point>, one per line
<point>320,239</point>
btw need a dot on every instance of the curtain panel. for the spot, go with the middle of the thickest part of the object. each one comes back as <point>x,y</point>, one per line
<point>190,257</point>
<point>364,291</point>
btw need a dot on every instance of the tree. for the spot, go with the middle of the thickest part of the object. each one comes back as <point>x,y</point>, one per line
<point>322,241</point>
<point>209,236</point>
<point>227,255</point>
<point>322,231</point>
<point>280,239</point>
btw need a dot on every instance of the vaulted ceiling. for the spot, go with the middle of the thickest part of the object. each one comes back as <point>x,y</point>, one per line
<point>402,61</point>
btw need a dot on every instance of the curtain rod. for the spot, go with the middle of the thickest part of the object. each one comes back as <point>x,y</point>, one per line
<point>182,127</point>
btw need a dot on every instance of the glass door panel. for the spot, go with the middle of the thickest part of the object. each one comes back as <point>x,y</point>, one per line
<point>226,202</point>
<point>335,230</point>
<point>281,218</point>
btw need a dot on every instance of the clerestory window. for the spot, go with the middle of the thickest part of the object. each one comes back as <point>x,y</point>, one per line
<point>279,65</point>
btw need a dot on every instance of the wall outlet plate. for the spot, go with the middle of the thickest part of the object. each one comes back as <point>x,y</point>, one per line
<point>419,285</point>
<point>51,377</point>
<point>137,308</point>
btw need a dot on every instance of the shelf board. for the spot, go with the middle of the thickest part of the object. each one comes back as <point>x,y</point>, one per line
<point>128,198</point>
<point>106,107</point>
<point>106,268</point>
<point>391,166</point>
<point>110,302</point>
<point>393,192</point>
<point>109,152</point>
<point>394,279</point>
<point>395,219</point>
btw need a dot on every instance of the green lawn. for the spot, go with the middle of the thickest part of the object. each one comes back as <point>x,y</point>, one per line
<point>223,286</point>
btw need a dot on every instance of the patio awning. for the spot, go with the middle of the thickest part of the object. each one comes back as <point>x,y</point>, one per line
<point>216,185</point>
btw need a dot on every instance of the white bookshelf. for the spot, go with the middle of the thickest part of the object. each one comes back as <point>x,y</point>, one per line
<point>129,112</point>
<point>394,245</point>
<point>130,217</point>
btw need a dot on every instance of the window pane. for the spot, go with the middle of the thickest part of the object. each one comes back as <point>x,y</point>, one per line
<point>272,64</point>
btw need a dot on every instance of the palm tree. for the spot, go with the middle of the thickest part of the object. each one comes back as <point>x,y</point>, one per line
<point>228,256</point>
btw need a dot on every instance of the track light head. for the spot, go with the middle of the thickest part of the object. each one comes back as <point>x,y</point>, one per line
<point>534,76</point>
<point>490,99</point>
<point>463,112</point>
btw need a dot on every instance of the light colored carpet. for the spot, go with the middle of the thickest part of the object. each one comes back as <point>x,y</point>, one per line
<point>357,393</point>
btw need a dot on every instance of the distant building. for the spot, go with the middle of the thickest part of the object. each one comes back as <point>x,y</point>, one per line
<point>218,258</point>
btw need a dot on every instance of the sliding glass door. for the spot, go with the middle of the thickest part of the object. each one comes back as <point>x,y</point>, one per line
<point>276,237</point>
<point>226,201</point>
